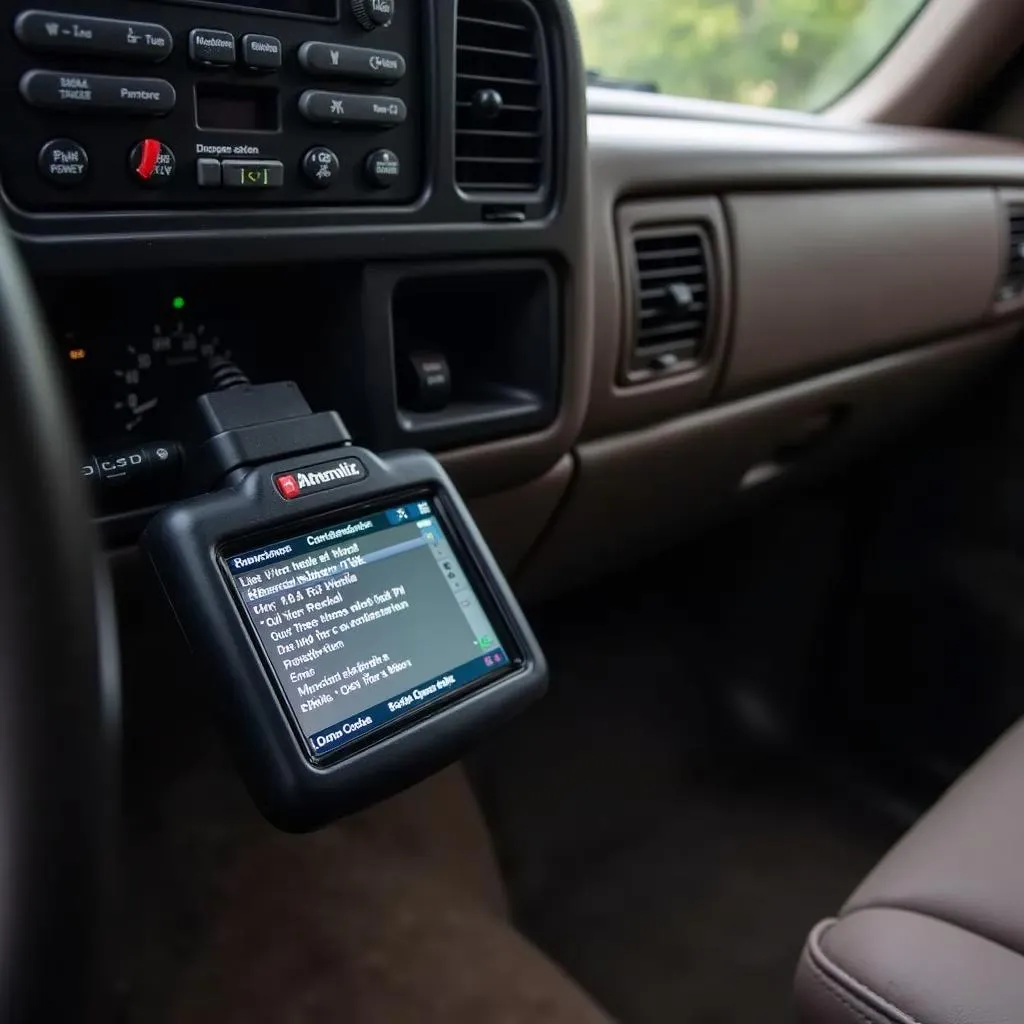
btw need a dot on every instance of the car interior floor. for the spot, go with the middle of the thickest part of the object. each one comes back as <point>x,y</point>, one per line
<point>736,734</point>
<point>671,866</point>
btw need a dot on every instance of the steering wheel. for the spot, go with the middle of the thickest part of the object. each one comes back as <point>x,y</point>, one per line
<point>59,687</point>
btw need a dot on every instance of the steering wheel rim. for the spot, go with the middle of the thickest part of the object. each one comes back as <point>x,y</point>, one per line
<point>59,686</point>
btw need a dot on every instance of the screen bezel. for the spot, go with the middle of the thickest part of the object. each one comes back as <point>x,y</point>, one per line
<point>338,517</point>
<point>256,8</point>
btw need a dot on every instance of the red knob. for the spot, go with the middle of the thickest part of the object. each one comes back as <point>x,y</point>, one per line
<point>148,154</point>
<point>151,163</point>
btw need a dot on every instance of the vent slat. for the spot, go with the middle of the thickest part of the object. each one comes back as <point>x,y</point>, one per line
<point>490,23</point>
<point>671,277</point>
<point>495,134</point>
<point>653,314</point>
<point>670,273</point>
<point>516,108</point>
<point>499,160</point>
<point>496,186</point>
<point>684,327</point>
<point>667,254</point>
<point>503,145</point>
<point>490,51</point>
<point>487,80</point>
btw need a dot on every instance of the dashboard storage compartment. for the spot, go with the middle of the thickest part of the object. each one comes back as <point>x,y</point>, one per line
<point>721,460</point>
<point>875,271</point>
<point>468,352</point>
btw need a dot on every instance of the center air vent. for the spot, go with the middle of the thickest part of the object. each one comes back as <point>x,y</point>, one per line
<point>1013,284</point>
<point>671,278</point>
<point>501,98</point>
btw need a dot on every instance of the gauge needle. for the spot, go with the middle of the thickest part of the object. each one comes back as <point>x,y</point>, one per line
<point>141,410</point>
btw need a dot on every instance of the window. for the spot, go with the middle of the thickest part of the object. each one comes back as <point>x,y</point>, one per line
<point>800,54</point>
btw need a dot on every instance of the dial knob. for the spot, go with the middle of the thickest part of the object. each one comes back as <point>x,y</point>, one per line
<point>373,14</point>
<point>151,162</point>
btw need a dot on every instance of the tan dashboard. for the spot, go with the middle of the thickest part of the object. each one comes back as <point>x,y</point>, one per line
<point>838,281</point>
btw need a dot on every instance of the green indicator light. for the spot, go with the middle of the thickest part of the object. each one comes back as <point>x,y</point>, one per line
<point>178,302</point>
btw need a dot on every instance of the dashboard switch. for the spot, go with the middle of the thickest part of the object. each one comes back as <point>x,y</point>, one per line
<point>208,173</point>
<point>123,468</point>
<point>373,14</point>
<point>156,464</point>
<point>152,162</point>
<point>76,90</point>
<point>252,173</point>
<point>320,165</point>
<point>344,108</point>
<point>261,53</point>
<point>55,32</point>
<point>359,62</point>
<point>64,162</point>
<point>382,169</point>
<point>425,381</point>
<point>212,47</point>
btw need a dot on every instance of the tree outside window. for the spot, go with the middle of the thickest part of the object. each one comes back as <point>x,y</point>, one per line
<point>799,54</point>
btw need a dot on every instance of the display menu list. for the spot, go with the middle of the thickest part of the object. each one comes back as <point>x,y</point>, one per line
<point>365,621</point>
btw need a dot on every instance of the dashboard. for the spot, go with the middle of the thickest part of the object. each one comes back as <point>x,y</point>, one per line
<point>417,212</point>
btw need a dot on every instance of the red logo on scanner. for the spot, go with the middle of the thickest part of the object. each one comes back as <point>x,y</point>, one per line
<point>288,486</point>
<point>319,478</point>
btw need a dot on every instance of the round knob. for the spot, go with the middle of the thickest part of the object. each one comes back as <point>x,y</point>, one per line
<point>382,169</point>
<point>487,103</point>
<point>373,14</point>
<point>321,166</point>
<point>151,162</point>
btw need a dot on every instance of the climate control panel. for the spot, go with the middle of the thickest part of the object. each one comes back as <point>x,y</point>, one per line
<point>137,104</point>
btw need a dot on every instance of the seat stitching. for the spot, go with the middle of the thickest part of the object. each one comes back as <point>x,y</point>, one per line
<point>823,963</point>
<point>833,989</point>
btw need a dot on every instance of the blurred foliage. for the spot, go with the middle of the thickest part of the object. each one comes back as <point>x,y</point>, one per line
<point>799,54</point>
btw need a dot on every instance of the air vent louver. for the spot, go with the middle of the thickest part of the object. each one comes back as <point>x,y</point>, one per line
<point>1014,283</point>
<point>501,122</point>
<point>672,282</point>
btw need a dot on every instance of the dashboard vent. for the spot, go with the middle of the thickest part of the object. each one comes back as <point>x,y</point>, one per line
<point>501,98</point>
<point>672,282</point>
<point>1013,285</point>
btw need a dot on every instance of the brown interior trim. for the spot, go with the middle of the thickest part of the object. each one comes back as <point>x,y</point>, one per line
<point>831,278</point>
<point>696,468</point>
<point>662,156</point>
<point>948,53</point>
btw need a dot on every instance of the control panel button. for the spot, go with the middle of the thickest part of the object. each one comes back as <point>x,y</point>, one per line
<point>64,162</point>
<point>54,32</point>
<point>323,107</point>
<point>373,14</point>
<point>157,460</point>
<point>382,168</point>
<point>321,166</point>
<point>152,162</point>
<point>208,172</point>
<point>261,53</point>
<point>212,47</point>
<point>74,90</point>
<point>425,381</point>
<point>252,173</point>
<point>120,469</point>
<point>329,59</point>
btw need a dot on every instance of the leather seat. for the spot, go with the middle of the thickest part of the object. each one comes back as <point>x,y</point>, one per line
<point>935,934</point>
